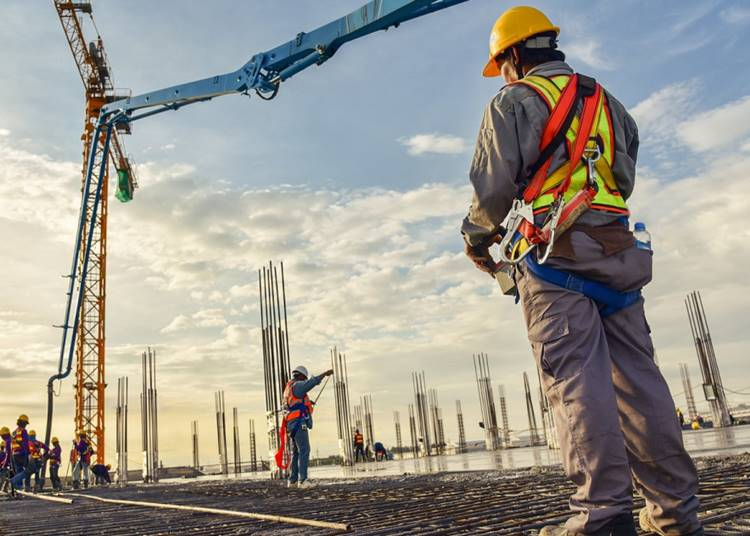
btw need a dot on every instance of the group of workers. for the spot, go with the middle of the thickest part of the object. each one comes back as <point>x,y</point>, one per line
<point>362,450</point>
<point>22,456</point>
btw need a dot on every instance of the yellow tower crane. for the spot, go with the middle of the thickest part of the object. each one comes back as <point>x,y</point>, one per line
<point>96,75</point>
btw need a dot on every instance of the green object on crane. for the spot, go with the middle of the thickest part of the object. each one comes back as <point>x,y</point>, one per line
<point>124,186</point>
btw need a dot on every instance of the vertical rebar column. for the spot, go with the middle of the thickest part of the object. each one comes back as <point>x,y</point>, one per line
<point>504,416</point>
<point>154,418</point>
<point>343,412</point>
<point>275,349</point>
<point>221,432</point>
<point>399,443</point>
<point>461,431</point>
<point>534,433</point>
<point>486,401</point>
<point>687,386</point>
<point>122,431</point>
<point>548,419</point>
<point>421,406</point>
<point>713,387</point>
<point>367,405</point>
<point>436,417</point>
<point>149,422</point>
<point>358,418</point>
<point>253,448</point>
<point>146,471</point>
<point>194,433</point>
<point>236,443</point>
<point>413,433</point>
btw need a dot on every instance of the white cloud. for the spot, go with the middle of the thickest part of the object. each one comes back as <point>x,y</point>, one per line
<point>717,127</point>
<point>735,15</point>
<point>4,132</point>
<point>209,318</point>
<point>180,322</point>
<point>659,114</point>
<point>434,143</point>
<point>589,52</point>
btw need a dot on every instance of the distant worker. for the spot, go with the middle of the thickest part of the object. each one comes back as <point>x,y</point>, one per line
<point>359,446</point>
<point>6,460</point>
<point>55,457</point>
<point>20,449</point>
<point>380,452</point>
<point>680,418</point>
<point>553,146</point>
<point>298,419</point>
<point>37,452</point>
<point>101,473</point>
<point>83,452</point>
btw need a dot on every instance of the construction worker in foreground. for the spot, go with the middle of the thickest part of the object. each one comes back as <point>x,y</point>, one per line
<point>83,452</point>
<point>298,420</point>
<point>20,449</point>
<point>544,157</point>
<point>55,457</point>
<point>359,446</point>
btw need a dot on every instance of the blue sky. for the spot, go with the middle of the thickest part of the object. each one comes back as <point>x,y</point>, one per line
<point>356,177</point>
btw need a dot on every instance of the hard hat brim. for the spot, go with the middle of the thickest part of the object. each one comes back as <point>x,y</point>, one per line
<point>491,69</point>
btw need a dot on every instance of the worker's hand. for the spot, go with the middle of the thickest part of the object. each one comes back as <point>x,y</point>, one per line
<point>328,372</point>
<point>480,256</point>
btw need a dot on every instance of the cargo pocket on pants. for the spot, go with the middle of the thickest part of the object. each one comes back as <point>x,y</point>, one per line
<point>544,332</point>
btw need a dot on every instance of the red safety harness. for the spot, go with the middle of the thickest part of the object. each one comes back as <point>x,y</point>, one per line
<point>561,215</point>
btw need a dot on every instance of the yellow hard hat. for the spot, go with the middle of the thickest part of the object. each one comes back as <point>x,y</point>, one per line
<point>4,430</point>
<point>55,440</point>
<point>32,432</point>
<point>23,418</point>
<point>515,25</point>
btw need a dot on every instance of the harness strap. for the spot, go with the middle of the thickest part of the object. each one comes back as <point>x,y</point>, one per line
<point>608,300</point>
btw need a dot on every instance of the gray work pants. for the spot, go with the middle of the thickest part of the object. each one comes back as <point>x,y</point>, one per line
<point>613,411</point>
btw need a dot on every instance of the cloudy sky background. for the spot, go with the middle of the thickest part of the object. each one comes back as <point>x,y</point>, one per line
<point>355,177</point>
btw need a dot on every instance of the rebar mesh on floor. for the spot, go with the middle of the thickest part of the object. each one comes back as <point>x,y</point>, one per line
<point>517,503</point>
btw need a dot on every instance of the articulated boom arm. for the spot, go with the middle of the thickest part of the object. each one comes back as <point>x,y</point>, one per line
<point>265,71</point>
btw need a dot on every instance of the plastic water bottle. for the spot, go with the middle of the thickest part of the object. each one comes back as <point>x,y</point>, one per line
<point>642,236</point>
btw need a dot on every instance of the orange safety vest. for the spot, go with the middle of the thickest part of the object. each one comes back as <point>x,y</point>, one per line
<point>17,442</point>
<point>296,407</point>
<point>35,449</point>
<point>359,439</point>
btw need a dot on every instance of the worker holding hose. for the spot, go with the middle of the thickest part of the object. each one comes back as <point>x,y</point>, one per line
<point>552,170</point>
<point>298,420</point>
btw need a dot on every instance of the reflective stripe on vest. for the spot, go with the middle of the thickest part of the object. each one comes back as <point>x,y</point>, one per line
<point>296,406</point>
<point>18,442</point>
<point>608,197</point>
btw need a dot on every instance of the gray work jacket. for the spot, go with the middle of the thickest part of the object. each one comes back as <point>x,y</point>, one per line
<point>508,145</point>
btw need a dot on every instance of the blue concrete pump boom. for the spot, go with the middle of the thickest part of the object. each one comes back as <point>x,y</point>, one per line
<point>263,74</point>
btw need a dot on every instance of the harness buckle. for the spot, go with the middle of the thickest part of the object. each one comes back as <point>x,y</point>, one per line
<point>519,212</point>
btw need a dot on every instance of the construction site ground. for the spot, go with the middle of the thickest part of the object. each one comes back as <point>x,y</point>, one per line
<point>491,502</point>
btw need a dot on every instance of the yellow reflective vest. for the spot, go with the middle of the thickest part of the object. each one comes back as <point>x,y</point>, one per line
<point>608,197</point>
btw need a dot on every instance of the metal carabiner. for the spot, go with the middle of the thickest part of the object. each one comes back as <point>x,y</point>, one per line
<point>591,156</point>
<point>519,212</point>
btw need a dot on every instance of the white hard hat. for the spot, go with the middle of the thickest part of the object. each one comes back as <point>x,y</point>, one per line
<point>302,370</point>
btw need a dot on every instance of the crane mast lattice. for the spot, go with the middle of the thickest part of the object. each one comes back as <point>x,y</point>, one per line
<point>96,75</point>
